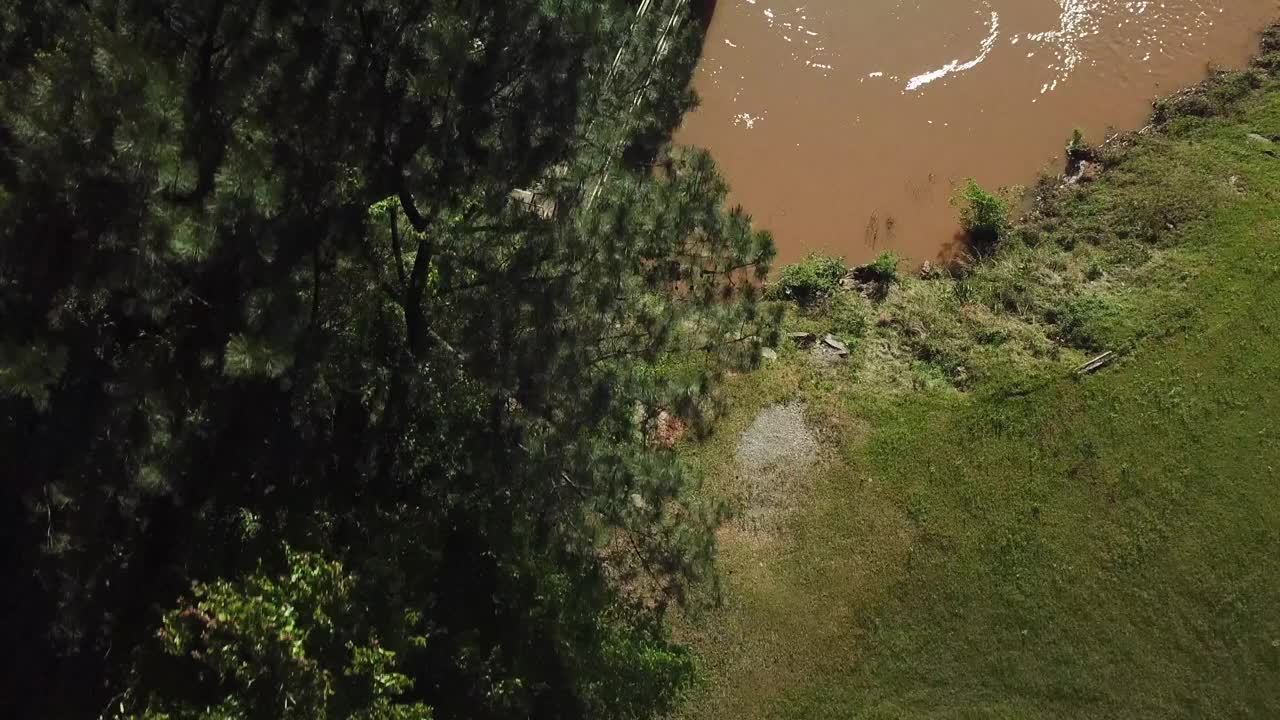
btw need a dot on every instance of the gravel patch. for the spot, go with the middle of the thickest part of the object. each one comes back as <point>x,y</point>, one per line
<point>773,457</point>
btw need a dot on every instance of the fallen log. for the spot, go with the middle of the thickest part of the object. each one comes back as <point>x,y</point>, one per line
<point>1096,363</point>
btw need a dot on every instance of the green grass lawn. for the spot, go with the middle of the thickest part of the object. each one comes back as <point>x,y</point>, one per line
<point>1102,547</point>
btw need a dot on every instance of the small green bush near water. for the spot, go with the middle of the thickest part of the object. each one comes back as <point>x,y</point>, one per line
<point>1077,148</point>
<point>810,279</point>
<point>983,215</point>
<point>884,269</point>
<point>881,273</point>
<point>1079,151</point>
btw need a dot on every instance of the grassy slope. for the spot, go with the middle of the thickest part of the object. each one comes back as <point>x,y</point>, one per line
<point>1106,547</point>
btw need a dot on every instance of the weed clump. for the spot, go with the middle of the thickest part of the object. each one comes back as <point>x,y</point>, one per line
<point>848,316</point>
<point>1077,149</point>
<point>1089,321</point>
<point>811,279</point>
<point>884,269</point>
<point>877,277</point>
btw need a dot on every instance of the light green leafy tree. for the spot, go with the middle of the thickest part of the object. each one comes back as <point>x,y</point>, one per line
<point>983,215</point>
<point>286,646</point>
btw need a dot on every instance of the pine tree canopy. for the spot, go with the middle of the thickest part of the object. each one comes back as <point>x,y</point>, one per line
<point>333,340</point>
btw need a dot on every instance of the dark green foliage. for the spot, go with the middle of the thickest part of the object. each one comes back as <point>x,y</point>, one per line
<point>634,672</point>
<point>269,273</point>
<point>810,279</point>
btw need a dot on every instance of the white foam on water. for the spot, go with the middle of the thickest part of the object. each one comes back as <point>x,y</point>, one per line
<point>795,27</point>
<point>956,66</point>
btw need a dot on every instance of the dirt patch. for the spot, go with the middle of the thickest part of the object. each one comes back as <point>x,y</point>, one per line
<point>772,458</point>
<point>668,430</point>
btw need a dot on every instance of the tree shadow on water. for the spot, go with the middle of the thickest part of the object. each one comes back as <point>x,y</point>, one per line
<point>963,248</point>
<point>705,10</point>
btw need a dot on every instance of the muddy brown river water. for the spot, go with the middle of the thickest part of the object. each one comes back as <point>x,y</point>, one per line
<point>844,125</point>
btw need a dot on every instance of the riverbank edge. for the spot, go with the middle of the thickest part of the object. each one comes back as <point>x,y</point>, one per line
<point>1066,286</point>
<point>1061,286</point>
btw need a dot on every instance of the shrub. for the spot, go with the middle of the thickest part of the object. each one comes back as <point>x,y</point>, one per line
<point>1094,270</point>
<point>812,278</point>
<point>884,269</point>
<point>880,274</point>
<point>1077,149</point>
<point>984,216</point>
<point>1269,56</point>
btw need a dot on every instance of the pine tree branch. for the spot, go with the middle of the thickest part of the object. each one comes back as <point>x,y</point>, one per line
<point>660,583</point>
<point>462,287</point>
